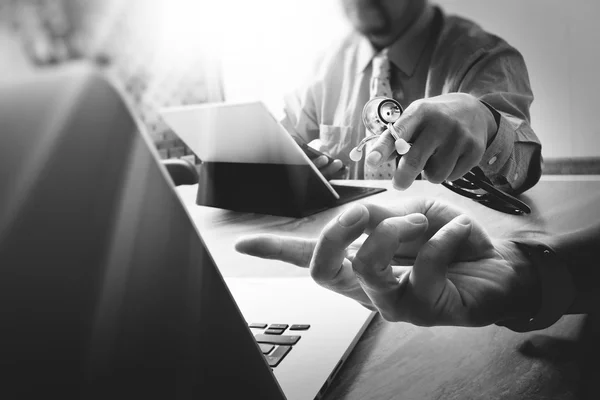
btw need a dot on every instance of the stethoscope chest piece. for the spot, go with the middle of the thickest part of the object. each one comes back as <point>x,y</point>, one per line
<point>378,114</point>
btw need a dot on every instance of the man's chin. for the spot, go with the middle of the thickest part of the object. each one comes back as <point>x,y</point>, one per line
<point>379,39</point>
<point>374,29</point>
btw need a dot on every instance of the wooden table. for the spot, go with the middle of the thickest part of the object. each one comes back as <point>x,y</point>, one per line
<point>401,361</point>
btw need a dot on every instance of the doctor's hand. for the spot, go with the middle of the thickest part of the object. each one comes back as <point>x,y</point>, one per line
<point>459,276</point>
<point>449,135</point>
<point>330,170</point>
<point>329,167</point>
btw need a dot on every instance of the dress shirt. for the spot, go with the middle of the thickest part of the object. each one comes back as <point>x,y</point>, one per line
<point>438,54</point>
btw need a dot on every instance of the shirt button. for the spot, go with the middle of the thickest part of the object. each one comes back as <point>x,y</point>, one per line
<point>492,160</point>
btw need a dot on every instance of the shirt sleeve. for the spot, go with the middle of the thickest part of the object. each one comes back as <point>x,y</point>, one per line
<point>498,77</point>
<point>300,114</point>
<point>302,107</point>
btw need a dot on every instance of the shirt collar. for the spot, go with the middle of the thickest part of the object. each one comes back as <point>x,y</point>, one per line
<point>405,52</point>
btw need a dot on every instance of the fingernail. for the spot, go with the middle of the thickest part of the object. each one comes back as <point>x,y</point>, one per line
<point>322,160</point>
<point>351,216</point>
<point>463,220</point>
<point>240,246</point>
<point>374,157</point>
<point>416,219</point>
<point>396,186</point>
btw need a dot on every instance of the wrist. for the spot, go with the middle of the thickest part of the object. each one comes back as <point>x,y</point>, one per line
<point>556,289</point>
<point>526,289</point>
<point>492,118</point>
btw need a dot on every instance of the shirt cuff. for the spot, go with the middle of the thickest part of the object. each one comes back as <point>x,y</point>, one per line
<point>498,152</point>
<point>557,287</point>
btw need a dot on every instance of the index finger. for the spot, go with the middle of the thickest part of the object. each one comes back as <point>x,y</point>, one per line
<point>292,250</point>
<point>406,126</point>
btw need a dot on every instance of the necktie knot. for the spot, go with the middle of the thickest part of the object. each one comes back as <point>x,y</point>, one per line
<point>381,65</point>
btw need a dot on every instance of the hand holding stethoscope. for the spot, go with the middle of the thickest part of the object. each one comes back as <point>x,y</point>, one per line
<point>380,114</point>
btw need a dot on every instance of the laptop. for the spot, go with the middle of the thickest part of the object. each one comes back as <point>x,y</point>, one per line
<point>107,289</point>
<point>250,163</point>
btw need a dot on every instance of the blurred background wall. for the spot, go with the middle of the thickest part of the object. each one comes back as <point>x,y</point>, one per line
<point>171,52</point>
<point>560,41</point>
<point>153,55</point>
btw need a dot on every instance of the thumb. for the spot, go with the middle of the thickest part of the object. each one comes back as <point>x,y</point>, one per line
<point>382,149</point>
<point>428,276</point>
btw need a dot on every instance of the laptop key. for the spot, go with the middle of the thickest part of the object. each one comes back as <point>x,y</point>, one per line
<point>276,339</point>
<point>275,358</point>
<point>258,325</point>
<point>272,331</point>
<point>299,327</point>
<point>265,348</point>
<point>278,326</point>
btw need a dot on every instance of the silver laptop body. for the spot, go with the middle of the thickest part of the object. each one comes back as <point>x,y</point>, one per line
<point>107,289</point>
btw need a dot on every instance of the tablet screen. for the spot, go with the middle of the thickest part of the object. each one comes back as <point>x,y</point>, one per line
<point>237,133</point>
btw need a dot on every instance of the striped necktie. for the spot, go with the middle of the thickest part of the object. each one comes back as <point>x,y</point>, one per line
<point>380,86</point>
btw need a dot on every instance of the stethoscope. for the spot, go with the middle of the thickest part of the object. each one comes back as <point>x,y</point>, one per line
<point>380,113</point>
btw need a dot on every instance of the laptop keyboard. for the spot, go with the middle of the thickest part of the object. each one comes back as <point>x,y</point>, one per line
<point>276,340</point>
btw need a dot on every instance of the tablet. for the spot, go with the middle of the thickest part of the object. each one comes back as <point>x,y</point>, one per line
<point>250,163</point>
<point>243,132</point>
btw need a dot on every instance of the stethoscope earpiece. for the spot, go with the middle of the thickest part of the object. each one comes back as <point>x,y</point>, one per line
<point>356,154</point>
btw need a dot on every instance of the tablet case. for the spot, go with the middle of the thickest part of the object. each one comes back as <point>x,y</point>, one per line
<point>274,189</point>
